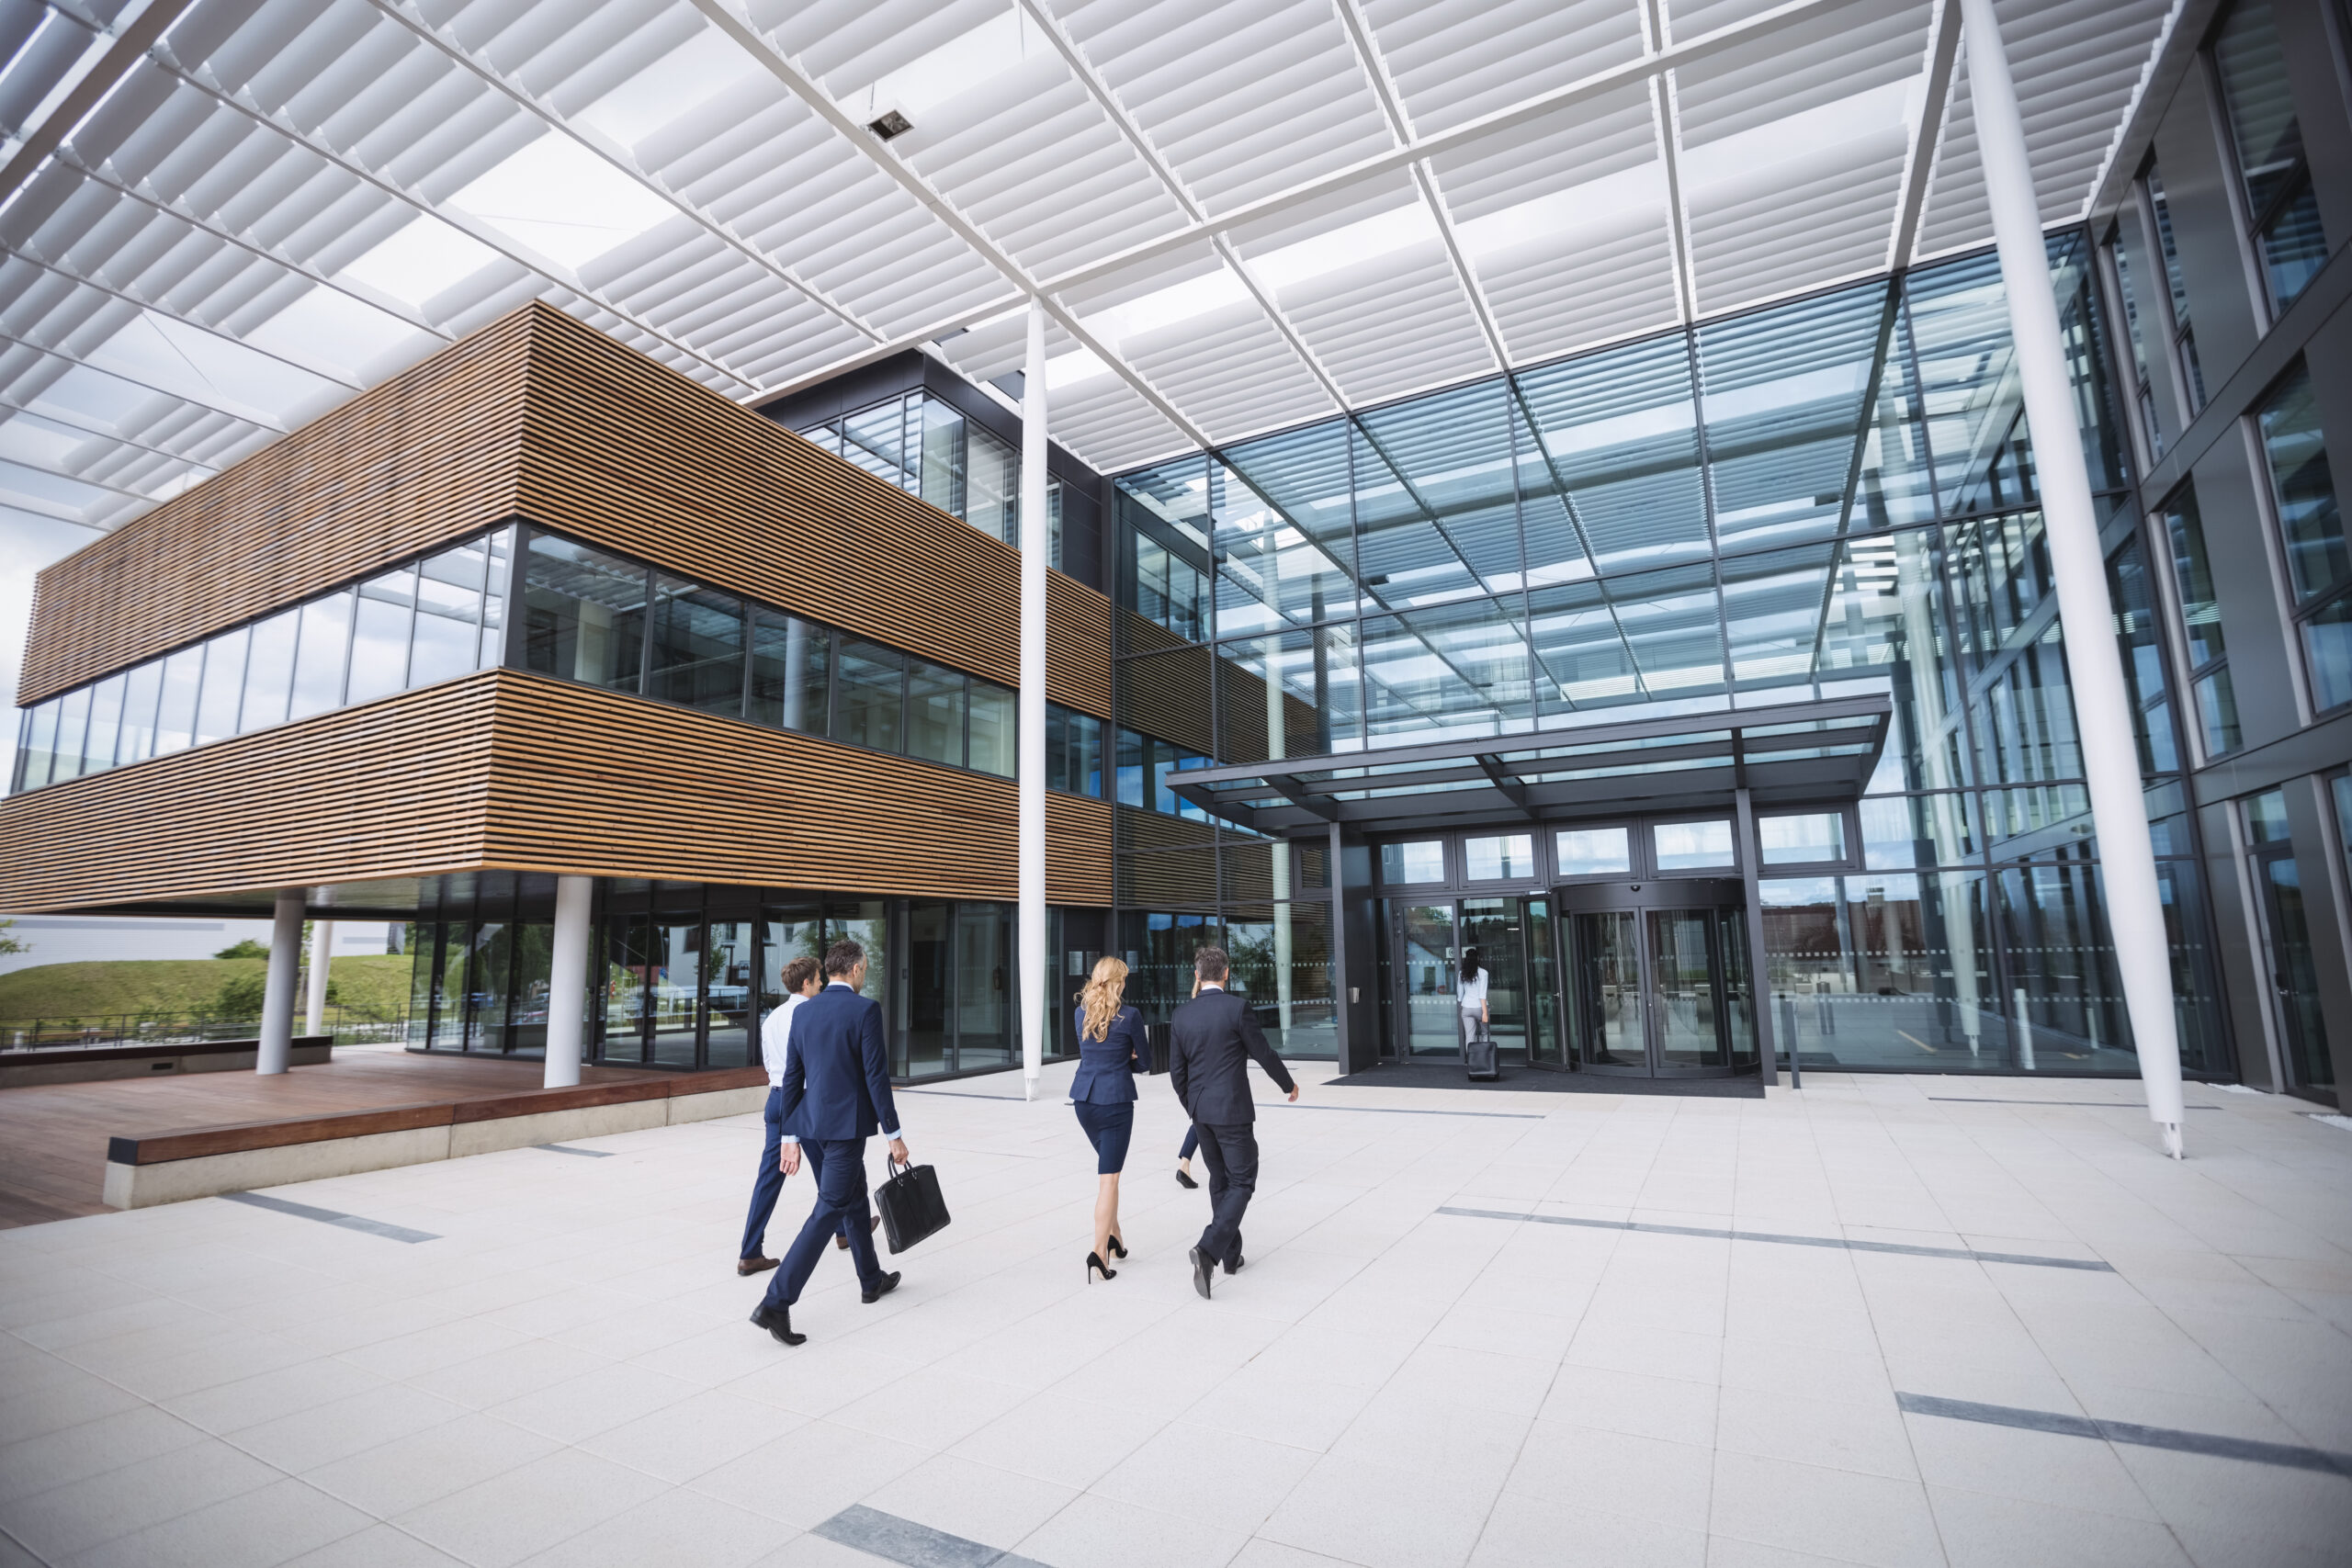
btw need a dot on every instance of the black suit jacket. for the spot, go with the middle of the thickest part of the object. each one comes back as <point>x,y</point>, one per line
<point>1211,1042</point>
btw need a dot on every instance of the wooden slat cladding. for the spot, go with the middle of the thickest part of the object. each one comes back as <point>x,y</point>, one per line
<point>623,451</point>
<point>513,772</point>
<point>587,781</point>
<point>393,788</point>
<point>541,416</point>
<point>1167,694</point>
<point>429,456</point>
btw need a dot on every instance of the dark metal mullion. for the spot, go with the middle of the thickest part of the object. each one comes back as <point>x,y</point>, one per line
<point>1707,503</point>
<point>1576,521</point>
<point>1890,314</point>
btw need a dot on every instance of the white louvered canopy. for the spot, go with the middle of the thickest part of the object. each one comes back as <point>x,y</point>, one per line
<point>223,216</point>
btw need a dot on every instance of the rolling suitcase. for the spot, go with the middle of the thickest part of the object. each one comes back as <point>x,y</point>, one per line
<point>1478,1050</point>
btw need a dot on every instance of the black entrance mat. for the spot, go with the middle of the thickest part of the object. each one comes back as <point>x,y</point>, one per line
<point>1535,1080</point>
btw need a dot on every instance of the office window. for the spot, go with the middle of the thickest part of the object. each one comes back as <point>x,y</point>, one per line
<point>140,693</point>
<point>224,683</point>
<point>2319,565</point>
<point>105,725</point>
<point>321,651</point>
<point>996,722</point>
<point>1594,852</point>
<point>269,671</point>
<point>2175,295</point>
<point>34,752</point>
<point>869,698</point>
<point>1692,846</point>
<point>72,723</point>
<point>935,709</point>
<point>1133,756</point>
<point>583,613</point>
<point>2135,334</point>
<point>791,668</point>
<point>380,630</point>
<point>2266,140</point>
<point>1805,840</point>
<point>1073,750</point>
<point>2214,700</point>
<point>176,709</point>
<point>2140,641</point>
<point>695,647</point>
<point>1504,857</point>
<point>1422,861</point>
<point>448,638</point>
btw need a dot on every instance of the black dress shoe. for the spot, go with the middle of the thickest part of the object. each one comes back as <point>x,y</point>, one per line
<point>745,1266</point>
<point>1233,1264</point>
<point>1204,1266</point>
<point>1184,1179</point>
<point>882,1287</point>
<point>778,1324</point>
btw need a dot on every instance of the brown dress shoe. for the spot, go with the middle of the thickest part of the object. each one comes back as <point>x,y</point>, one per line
<point>745,1266</point>
<point>840,1242</point>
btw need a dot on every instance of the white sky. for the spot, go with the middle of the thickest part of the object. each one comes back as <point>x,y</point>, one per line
<point>27,543</point>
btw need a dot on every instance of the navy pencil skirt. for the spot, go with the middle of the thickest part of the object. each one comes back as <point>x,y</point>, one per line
<point>1108,1128</point>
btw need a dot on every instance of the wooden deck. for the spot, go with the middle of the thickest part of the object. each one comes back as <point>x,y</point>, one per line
<point>53,1136</point>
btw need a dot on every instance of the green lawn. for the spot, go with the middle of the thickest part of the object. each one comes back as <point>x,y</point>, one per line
<point>374,985</point>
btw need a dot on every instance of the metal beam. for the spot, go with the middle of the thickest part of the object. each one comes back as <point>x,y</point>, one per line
<point>89,93</point>
<point>1943,53</point>
<point>1510,788</point>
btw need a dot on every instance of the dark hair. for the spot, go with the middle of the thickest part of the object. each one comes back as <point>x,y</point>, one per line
<point>842,957</point>
<point>798,973</point>
<point>1469,964</point>
<point>1209,963</point>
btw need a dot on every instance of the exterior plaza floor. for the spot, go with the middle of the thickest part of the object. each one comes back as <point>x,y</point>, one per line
<point>1899,1321</point>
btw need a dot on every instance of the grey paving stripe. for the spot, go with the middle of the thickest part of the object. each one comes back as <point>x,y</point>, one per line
<point>895,1539</point>
<point>2292,1456</point>
<point>1905,1249</point>
<point>330,1217</point>
<point>2091,1104</point>
<point>568,1150</point>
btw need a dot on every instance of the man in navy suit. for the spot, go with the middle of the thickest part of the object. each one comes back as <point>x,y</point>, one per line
<point>836,1089</point>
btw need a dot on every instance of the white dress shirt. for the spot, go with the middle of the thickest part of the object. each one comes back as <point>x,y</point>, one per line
<point>1473,992</point>
<point>775,1034</point>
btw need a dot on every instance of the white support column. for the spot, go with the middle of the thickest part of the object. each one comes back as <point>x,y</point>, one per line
<point>277,994</point>
<point>2102,707</point>
<point>314,994</point>
<point>1036,550</point>
<point>1277,747</point>
<point>568,980</point>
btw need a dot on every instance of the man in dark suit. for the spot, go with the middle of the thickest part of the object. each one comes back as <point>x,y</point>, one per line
<point>1212,1040</point>
<point>836,1087</point>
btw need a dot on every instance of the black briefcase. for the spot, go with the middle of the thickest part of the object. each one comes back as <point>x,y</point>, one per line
<point>911,1204</point>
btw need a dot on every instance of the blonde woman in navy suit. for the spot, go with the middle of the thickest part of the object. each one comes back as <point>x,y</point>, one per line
<point>1110,1049</point>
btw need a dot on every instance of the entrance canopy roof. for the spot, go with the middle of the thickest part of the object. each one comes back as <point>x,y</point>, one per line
<point>218,217</point>
<point>1794,751</point>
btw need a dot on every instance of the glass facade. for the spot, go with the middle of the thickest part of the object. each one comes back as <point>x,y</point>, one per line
<point>1827,498</point>
<point>2311,527</point>
<point>2266,140</point>
<point>927,447</point>
<point>587,615</point>
<point>409,625</point>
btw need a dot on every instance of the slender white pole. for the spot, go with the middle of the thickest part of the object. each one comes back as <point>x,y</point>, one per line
<point>568,980</point>
<point>2102,708</point>
<point>276,1050</point>
<point>1036,550</point>
<point>314,994</point>
<point>1277,747</point>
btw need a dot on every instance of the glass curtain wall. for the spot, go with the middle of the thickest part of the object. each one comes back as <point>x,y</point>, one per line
<point>927,447</point>
<point>1829,497</point>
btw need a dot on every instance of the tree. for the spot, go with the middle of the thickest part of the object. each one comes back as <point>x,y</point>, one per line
<point>248,948</point>
<point>10,944</point>
<point>240,999</point>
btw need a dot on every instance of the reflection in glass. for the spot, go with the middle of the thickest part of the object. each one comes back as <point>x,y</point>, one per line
<point>1594,852</point>
<point>225,684</point>
<point>995,730</point>
<point>627,987</point>
<point>674,987</point>
<point>984,1029</point>
<point>869,695</point>
<point>1802,840</point>
<point>379,635</point>
<point>583,615</point>
<point>728,1016</point>
<point>2268,143</point>
<point>1432,977</point>
<point>1884,971</point>
<point>1421,861</point>
<point>1500,858</point>
<point>935,712</point>
<point>1692,846</point>
<point>1436,513</point>
<point>105,725</point>
<point>695,647</point>
<point>176,709</point>
<point>139,699</point>
<point>448,636</point>
<point>1782,395</point>
<point>73,725</point>
<point>791,668</point>
<point>1605,988</point>
<point>322,649</point>
<point>1073,750</point>
<point>1618,431</point>
<point>1682,989</point>
<point>269,671</point>
<point>37,745</point>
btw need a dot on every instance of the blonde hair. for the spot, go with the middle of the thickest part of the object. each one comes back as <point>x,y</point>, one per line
<point>1103,992</point>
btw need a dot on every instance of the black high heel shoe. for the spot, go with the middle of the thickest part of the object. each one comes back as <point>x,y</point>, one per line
<point>1094,1265</point>
<point>1118,1248</point>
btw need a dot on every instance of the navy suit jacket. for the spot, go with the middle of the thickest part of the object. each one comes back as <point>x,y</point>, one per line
<point>837,1071</point>
<point>1212,1040</point>
<point>1106,1068</point>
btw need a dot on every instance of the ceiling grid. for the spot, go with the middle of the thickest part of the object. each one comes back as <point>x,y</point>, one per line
<point>221,217</point>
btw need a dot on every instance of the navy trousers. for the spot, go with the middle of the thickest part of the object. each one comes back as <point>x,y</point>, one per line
<point>839,1166</point>
<point>1232,1154</point>
<point>769,1184</point>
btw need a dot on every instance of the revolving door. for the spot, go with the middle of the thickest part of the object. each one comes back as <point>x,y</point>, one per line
<point>1659,979</point>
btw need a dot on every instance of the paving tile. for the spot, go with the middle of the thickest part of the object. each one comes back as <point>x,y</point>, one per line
<point>1526,1532</point>
<point>1673,1409</point>
<point>502,1520</point>
<point>93,1448</point>
<point>1219,1480</point>
<point>672,1529</point>
<point>322,1434</point>
<point>1981,1531</point>
<point>431,1463</point>
<point>1055,1438</point>
<point>1643,1479</point>
<point>694,1436</point>
<point>976,1501</point>
<point>579,1408</point>
<point>260,1529</point>
<point>1103,1532</point>
<point>1836,1513</point>
<point>63,1521</point>
<point>1834,1433</point>
<point>378,1546</point>
<point>1381,1516</point>
<point>810,1473</point>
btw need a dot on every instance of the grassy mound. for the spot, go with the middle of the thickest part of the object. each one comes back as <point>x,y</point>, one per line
<point>373,985</point>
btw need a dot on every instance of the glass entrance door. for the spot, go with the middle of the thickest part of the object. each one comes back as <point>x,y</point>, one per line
<point>1512,936</point>
<point>1427,972</point>
<point>1495,927</point>
<point>1658,981</point>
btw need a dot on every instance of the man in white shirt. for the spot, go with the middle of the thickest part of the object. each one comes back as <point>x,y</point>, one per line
<point>802,980</point>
